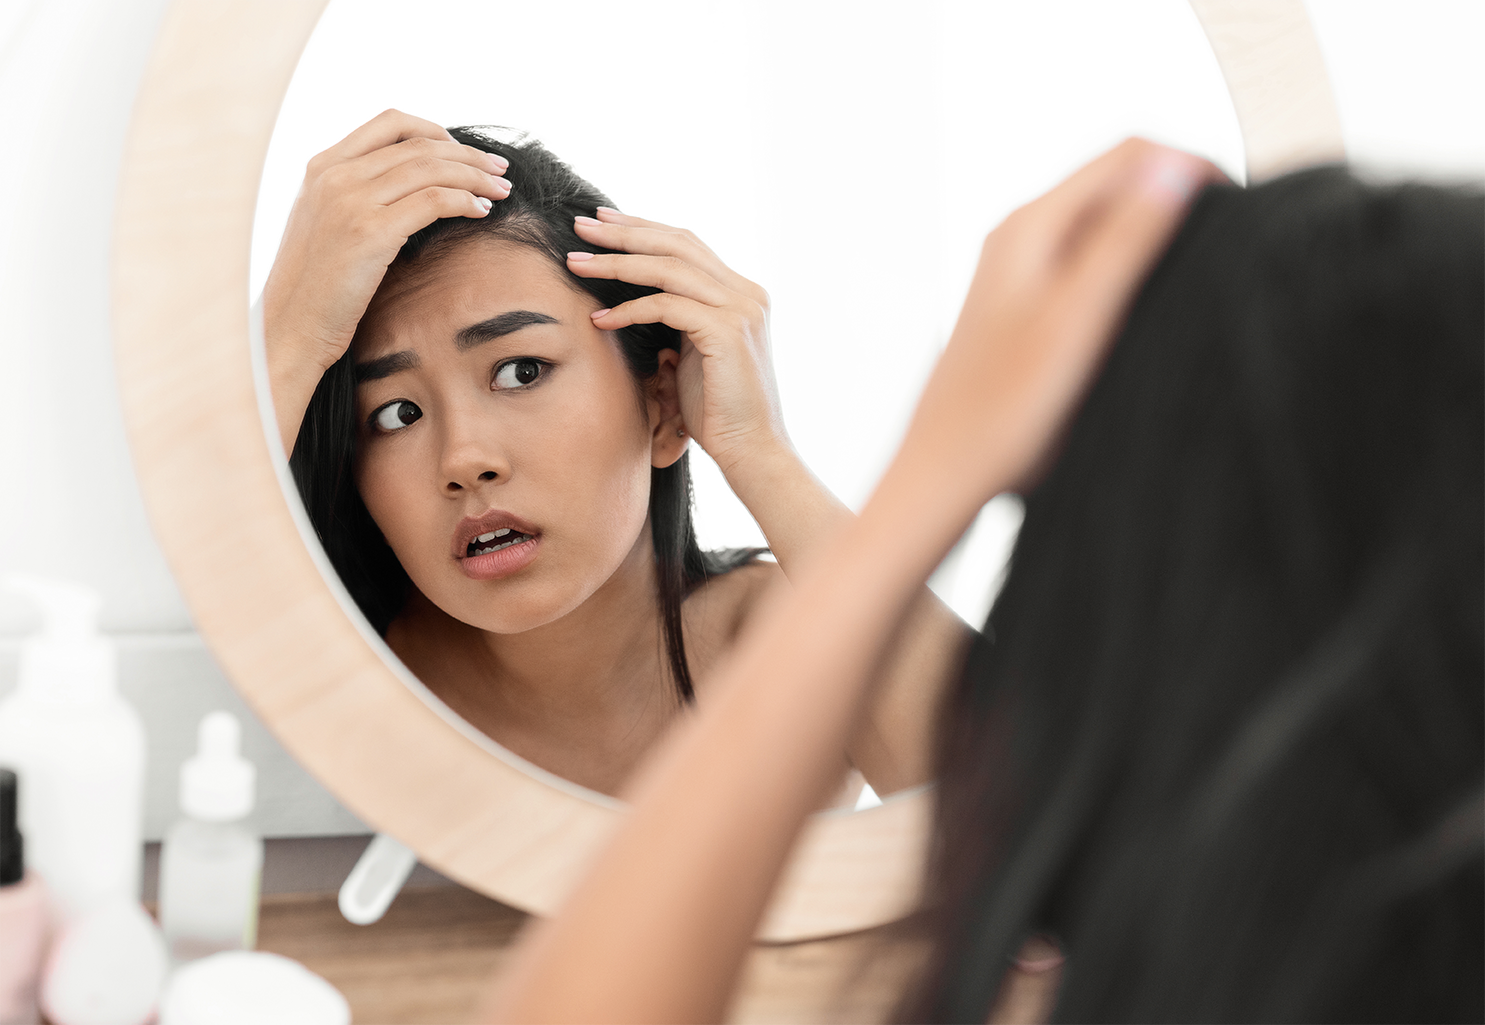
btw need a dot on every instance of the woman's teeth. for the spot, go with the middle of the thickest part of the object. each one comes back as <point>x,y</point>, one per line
<point>495,540</point>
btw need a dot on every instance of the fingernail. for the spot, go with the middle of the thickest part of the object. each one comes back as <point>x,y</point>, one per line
<point>607,210</point>
<point>580,257</point>
<point>596,314</point>
<point>487,204</point>
<point>1171,177</point>
<point>501,164</point>
<point>1038,954</point>
<point>587,220</point>
<point>1038,965</point>
<point>502,183</point>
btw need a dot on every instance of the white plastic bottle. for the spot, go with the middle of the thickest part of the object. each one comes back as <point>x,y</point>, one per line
<point>210,864</point>
<point>80,749</point>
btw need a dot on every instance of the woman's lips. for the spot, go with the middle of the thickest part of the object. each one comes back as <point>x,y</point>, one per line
<point>496,521</point>
<point>502,562</point>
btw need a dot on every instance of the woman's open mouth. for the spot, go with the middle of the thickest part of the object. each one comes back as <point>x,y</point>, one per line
<point>490,558</point>
<point>494,541</point>
<point>494,545</point>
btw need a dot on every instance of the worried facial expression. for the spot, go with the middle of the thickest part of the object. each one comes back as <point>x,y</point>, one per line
<point>504,448</point>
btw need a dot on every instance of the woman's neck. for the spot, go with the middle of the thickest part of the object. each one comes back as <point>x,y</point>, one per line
<point>583,696</point>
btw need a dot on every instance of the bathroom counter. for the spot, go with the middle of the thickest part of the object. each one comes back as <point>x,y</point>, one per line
<point>427,961</point>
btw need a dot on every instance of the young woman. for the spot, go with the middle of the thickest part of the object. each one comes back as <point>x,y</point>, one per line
<point>488,379</point>
<point>1221,742</point>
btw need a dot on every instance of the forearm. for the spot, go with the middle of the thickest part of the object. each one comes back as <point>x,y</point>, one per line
<point>795,510</point>
<point>892,744</point>
<point>292,376</point>
<point>292,389</point>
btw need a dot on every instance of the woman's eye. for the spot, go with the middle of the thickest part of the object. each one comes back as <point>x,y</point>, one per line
<point>517,373</point>
<point>396,415</point>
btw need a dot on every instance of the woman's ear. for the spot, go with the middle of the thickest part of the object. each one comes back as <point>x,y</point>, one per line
<point>668,435</point>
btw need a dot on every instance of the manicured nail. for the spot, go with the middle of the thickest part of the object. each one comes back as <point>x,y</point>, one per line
<point>607,210</point>
<point>580,257</point>
<point>587,220</point>
<point>502,183</point>
<point>1171,177</point>
<point>1037,955</point>
<point>501,164</point>
<point>1038,965</point>
<point>597,314</point>
<point>484,203</point>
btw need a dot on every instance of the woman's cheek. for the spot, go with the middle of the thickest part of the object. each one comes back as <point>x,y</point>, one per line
<point>383,486</point>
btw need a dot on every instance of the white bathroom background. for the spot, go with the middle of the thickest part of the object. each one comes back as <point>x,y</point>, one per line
<point>850,157</point>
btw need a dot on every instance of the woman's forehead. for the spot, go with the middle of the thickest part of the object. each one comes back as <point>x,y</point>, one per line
<point>435,299</point>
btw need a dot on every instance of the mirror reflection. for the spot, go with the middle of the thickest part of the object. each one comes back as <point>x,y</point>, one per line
<point>500,392</point>
<point>489,416</point>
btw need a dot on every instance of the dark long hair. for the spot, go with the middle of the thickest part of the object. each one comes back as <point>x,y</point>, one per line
<point>1222,735</point>
<point>546,195</point>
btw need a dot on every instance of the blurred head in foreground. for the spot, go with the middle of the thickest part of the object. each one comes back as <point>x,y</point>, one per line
<point>1222,736</point>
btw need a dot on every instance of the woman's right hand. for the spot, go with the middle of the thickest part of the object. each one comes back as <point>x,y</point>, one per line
<point>360,201</point>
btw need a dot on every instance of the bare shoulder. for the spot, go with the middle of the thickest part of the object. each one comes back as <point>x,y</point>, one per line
<point>716,612</point>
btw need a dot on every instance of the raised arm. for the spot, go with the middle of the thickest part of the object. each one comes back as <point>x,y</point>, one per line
<point>730,405</point>
<point>659,928</point>
<point>361,200</point>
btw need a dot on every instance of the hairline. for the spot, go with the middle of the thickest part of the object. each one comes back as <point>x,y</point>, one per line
<point>459,236</point>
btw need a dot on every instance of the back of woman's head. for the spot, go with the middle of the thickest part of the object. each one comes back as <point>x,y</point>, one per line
<point>546,195</point>
<point>1222,735</point>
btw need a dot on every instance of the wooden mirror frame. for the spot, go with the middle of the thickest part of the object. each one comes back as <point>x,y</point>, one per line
<point>267,603</point>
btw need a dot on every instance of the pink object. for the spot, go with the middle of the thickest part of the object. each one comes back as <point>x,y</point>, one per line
<point>24,930</point>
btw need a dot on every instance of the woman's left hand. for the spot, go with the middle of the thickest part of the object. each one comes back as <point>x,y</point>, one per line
<point>729,400</point>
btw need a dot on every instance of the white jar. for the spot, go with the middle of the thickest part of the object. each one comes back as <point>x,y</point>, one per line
<point>249,989</point>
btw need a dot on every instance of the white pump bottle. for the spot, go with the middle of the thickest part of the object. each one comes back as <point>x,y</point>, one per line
<point>209,864</point>
<point>79,749</point>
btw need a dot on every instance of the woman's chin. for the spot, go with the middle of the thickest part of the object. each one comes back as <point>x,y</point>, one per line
<point>506,606</point>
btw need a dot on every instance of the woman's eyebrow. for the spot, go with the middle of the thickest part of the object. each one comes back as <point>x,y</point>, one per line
<point>504,324</point>
<point>386,366</point>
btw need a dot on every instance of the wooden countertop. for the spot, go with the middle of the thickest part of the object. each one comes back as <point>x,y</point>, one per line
<point>428,961</point>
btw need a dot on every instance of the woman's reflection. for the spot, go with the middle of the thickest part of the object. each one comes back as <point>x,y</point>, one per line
<point>488,379</point>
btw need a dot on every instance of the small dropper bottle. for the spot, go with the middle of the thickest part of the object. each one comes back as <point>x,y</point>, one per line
<point>23,917</point>
<point>210,864</point>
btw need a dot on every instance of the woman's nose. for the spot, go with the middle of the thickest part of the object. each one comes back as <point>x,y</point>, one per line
<point>472,456</point>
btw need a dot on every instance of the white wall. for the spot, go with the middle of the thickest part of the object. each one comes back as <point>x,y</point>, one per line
<point>847,156</point>
<point>68,71</point>
<point>1409,82</point>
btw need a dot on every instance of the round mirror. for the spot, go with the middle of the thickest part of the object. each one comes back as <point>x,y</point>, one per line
<point>849,163</point>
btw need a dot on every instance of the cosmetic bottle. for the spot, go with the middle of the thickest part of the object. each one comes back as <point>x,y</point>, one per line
<point>78,749</point>
<point>23,917</point>
<point>209,863</point>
